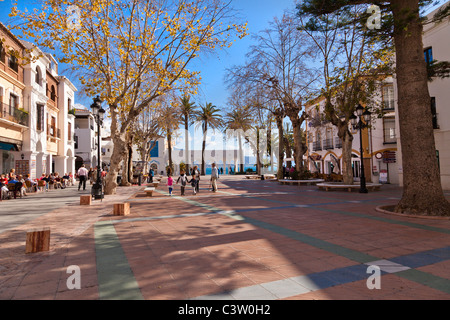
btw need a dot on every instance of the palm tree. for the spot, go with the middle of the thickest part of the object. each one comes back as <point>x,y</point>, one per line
<point>168,121</point>
<point>208,117</point>
<point>239,119</point>
<point>187,109</point>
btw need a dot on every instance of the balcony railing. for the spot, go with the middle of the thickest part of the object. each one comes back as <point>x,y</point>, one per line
<point>317,146</point>
<point>328,144</point>
<point>53,132</point>
<point>14,115</point>
<point>337,143</point>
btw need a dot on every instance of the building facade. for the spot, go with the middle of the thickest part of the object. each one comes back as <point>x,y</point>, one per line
<point>34,117</point>
<point>86,150</point>
<point>379,140</point>
<point>14,116</point>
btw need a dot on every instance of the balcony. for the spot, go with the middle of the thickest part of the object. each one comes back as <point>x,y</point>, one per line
<point>317,146</point>
<point>53,133</point>
<point>327,144</point>
<point>14,115</point>
<point>337,143</point>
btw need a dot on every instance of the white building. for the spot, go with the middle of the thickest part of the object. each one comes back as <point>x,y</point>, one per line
<point>48,97</point>
<point>86,151</point>
<point>379,141</point>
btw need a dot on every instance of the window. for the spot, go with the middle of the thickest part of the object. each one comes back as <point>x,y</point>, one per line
<point>428,52</point>
<point>53,127</point>
<point>53,93</point>
<point>13,104</point>
<point>388,97</point>
<point>389,130</point>
<point>38,76</point>
<point>69,131</point>
<point>433,113</point>
<point>40,117</point>
<point>13,63</point>
<point>2,53</point>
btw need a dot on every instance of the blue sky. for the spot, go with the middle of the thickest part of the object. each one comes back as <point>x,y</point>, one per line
<point>257,12</point>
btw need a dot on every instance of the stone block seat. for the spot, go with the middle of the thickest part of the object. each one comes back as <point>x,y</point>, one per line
<point>306,182</point>
<point>328,186</point>
<point>149,191</point>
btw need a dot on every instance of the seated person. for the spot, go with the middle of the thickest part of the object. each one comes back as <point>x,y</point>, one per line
<point>32,183</point>
<point>23,190</point>
<point>3,179</point>
<point>4,192</point>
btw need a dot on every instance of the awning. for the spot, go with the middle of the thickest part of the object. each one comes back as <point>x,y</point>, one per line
<point>8,146</point>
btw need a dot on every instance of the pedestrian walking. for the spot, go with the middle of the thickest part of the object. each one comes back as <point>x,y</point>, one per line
<point>170,184</point>
<point>195,179</point>
<point>214,177</point>
<point>183,178</point>
<point>82,176</point>
<point>150,175</point>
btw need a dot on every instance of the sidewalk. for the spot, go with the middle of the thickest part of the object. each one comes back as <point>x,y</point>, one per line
<point>250,240</point>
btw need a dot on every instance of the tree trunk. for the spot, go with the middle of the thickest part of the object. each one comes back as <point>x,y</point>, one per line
<point>258,152</point>
<point>241,160</point>
<point>117,156</point>
<point>422,192</point>
<point>169,149</point>
<point>187,157</point>
<point>203,172</point>
<point>347,142</point>
<point>279,120</point>
<point>299,150</point>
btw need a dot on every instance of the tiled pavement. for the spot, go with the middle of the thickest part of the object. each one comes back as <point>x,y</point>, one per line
<point>251,240</point>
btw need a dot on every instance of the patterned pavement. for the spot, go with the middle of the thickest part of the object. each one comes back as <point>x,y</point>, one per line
<point>251,240</point>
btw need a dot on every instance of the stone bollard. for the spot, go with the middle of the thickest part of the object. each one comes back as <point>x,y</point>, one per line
<point>38,240</point>
<point>121,209</point>
<point>85,200</point>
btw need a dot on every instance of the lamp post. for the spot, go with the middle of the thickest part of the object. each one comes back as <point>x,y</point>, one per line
<point>357,123</point>
<point>98,113</point>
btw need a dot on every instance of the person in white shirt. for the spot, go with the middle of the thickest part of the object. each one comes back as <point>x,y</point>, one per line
<point>214,177</point>
<point>82,176</point>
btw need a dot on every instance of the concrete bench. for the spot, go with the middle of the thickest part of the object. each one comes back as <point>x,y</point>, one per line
<point>348,187</point>
<point>153,184</point>
<point>149,191</point>
<point>252,176</point>
<point>307,182</point>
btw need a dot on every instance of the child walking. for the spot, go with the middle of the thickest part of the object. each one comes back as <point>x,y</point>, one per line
<point>184,180</point>
<point>170,184</point>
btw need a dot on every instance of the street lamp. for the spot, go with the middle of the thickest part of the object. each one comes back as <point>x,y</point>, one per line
<point>357,123</point>
<point>98,113</point>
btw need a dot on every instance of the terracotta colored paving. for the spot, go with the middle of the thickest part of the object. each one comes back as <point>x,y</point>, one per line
<point>251,240</point>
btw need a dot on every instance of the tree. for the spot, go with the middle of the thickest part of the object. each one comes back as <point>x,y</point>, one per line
<point>208,118</point>
<point>131,52</point>
<point>352,70</point>
<point>239,121</point>
<point>278,63</point>
<point>169,120</point>
<point>422,191</point>
<point>188,113</point>
<point>145,130</point>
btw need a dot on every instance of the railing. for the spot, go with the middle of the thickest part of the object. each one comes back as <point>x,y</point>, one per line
<point>14,115</point>
<point>337,143</point>
<point>328,144</point>
<point>317,146</point>
<point>53,132</point>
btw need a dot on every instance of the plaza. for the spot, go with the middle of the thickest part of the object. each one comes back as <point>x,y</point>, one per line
<point>252,240</point>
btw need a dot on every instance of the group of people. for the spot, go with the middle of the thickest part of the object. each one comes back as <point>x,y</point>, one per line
<point>23,184</point>
<point>184,180</point>
<point>84,175</point>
